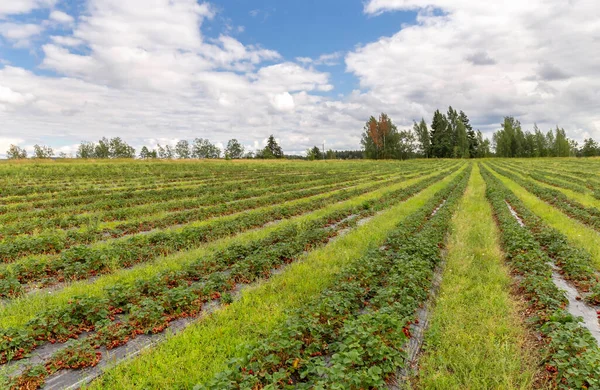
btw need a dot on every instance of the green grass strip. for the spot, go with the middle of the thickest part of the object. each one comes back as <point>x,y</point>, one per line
<point>202,350</point>
<point>476,339</point>
<point>577,233</point>
<point>17,312</point>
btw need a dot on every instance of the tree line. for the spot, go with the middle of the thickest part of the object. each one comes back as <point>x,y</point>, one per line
<point>117,148</point>
<point>451,135</point>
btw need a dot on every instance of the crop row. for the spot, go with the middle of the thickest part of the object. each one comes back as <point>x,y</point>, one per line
<point>354,335</point>
<point>111,176</point>
<point>90,193</point>
<point>551,178</point>
<point>575,264</point>
<point>132,170</point>
<point>571,355</point>
<point>151,304</point>
<point>115,200</point>
<point>108,210</point>
<point>132,196</point>
<point>575,182</point>
<point>152,217</point>
<point>587,215</point>
<point>81,262</point>
<point>55,241</point>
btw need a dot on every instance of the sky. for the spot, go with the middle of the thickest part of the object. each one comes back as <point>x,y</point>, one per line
<point>311,71</point>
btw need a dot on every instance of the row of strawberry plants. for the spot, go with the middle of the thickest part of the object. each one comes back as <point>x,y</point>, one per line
<point>186,290</point>
<point>575,264</point>
<point>86,193</point>
<point>66,205</point>
<point>117,206</point>
<point>81,262</point>
<point>82,172</point>
<point>80,176</point>
<point>147,214</point>
<point>575,175</point>
<point>41,189</point>
<point>551,178</point>
<point>55,241</point>
<point>149,305</point>
<point>132,196</point>
<point>148,182</point>
<point>354,335</point>
<point>587,215</point>
<point>78,187</point>
<point>571,354</point>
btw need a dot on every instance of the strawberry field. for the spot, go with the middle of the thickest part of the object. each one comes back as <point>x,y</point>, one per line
<point>252,275</point>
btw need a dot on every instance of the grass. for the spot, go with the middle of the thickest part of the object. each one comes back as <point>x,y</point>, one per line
<point>17,312</point>
<point>201,351</point>
<point>476,339</point>
<point>577,233</point>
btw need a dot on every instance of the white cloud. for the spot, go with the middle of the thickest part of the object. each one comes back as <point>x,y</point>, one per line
<point>20,34</point>
<point>489,59</point>
<point>13,98</point>
<point>66,41</point>
<point>283,101</point>
<point>13,7</point>
<point>61,17</point>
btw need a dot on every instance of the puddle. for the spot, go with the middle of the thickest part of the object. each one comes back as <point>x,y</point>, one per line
<point>576,307</point>
<point>514,214</point>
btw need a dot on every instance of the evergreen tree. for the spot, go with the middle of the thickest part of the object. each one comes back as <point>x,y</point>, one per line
<point>422,133</point>
<point>441,137</point>
<point>590,148</point>
<point>471,135</point>
<point>462,141</point>
<point>541,143</point>
<point>272,150</point>
<point>314,153</point>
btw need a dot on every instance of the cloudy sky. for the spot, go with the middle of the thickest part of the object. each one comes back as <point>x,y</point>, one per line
<point>307,71</point>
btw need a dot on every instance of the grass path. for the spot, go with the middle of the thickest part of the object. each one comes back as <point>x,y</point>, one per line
<point>476,339</point>
<point>201,351</point>
<point>577,233</point>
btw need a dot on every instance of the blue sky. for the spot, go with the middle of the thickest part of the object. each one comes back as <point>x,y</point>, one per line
<point>156,71</point>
